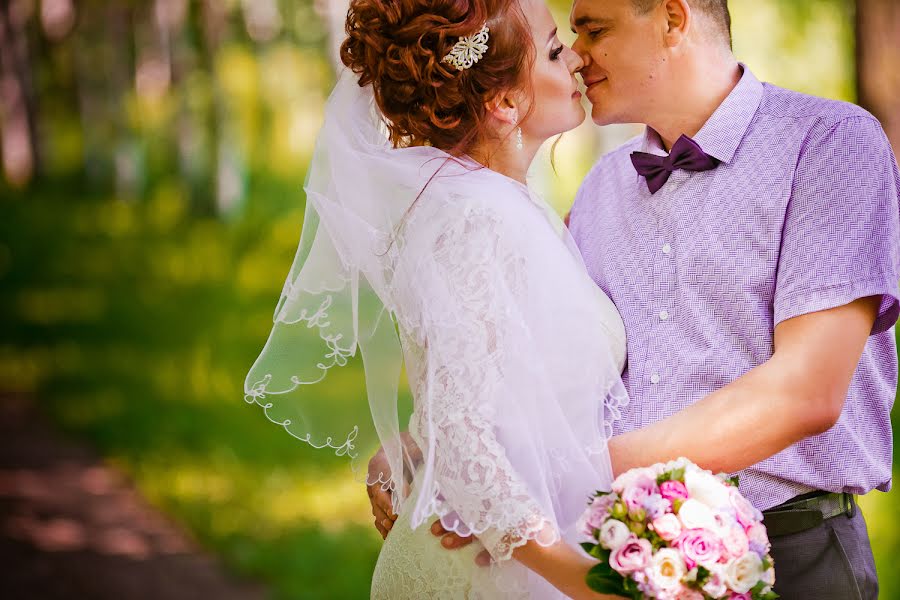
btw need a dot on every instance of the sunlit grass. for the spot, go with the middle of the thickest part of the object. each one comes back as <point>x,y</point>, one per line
<point>139,341</point>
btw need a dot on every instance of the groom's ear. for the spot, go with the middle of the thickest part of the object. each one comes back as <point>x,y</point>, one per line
<point>679,20</point>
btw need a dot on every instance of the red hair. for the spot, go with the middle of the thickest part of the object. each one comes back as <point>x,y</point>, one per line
<point>397,47</point>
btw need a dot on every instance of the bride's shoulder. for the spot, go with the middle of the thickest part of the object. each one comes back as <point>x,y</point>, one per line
<point>467,198</point>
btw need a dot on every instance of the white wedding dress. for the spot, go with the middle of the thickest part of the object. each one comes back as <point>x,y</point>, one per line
<point>513,355</point>
<point>494,257</point>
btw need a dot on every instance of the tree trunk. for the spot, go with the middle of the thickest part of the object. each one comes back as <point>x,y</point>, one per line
<point>878,62</point>
<point>18,103</point>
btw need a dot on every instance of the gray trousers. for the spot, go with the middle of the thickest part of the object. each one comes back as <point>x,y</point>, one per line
<point>830,562</point>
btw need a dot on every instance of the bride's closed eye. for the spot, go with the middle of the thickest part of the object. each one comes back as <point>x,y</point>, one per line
<point>556,52</point>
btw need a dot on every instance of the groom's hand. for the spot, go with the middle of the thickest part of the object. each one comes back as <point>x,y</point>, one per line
<point>379,498</point>
<point>452,541</point>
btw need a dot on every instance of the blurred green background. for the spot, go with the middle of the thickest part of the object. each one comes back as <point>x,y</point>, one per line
<point>153,155</point>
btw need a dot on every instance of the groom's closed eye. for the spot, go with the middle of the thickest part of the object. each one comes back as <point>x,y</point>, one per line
<point>591,24</point>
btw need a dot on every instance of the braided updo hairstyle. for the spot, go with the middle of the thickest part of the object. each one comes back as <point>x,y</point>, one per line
<point>397,47</point>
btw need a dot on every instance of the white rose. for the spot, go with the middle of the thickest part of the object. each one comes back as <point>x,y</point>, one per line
<point>706,488</point>
<point>743,573</point>
<point>715,585</point>
<point>666,569</point>
<point>769,576</point>
<point>696,515</point>
<point>613,534</point>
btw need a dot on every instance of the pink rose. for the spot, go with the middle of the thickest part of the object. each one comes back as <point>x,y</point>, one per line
<point>628,478</point>
<point>598,512</point>
<point>673,490</point>
<point>746,513</point>
<point>596,518</point>
<point>639,491</point>
<point>686,593</point>
<point>633,555</point>
<point>735,542</point>
<point>735,596</point>
<point>759,538</point>
<point>668,526</point>
<point>699,547</point>
<point>715,585</point>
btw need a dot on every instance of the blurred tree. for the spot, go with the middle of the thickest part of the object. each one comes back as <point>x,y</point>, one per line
<point>18,103</point>
<point>878,57</point>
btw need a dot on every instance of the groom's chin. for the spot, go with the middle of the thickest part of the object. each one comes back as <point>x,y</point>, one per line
<point>601,117</point>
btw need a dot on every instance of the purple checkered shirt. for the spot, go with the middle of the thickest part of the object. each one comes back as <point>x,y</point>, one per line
<point>801,216</point>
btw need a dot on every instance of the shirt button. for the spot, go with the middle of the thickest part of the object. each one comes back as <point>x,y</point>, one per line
<point>655,378</point>
<point>667,249</point>
<point>664,315</point>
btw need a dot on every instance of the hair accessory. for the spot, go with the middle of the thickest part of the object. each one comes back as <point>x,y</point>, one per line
<point>468,50</point>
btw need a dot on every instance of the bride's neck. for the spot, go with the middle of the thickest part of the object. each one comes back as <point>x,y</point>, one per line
<point>505,158</point>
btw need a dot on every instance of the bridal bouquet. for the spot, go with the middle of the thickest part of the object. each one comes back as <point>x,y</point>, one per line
<point>677,532</point>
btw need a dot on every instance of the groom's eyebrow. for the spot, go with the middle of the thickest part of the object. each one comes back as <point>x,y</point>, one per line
<point>588,20</point>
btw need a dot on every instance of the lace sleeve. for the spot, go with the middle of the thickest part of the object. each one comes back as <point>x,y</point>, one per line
<point>471,329</point>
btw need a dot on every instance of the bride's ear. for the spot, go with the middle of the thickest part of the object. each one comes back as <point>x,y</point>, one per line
<point>504,108</point>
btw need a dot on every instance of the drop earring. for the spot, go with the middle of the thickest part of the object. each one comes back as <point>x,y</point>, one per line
<point>520,144</point>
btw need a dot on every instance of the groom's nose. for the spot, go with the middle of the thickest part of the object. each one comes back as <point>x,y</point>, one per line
<point>581,50</point>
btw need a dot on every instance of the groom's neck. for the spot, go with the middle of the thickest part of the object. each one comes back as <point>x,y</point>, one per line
<point>699,86</point>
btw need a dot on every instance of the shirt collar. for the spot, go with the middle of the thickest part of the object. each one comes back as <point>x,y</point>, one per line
<point>722,133</point>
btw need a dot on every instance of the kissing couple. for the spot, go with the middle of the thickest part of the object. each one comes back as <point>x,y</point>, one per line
<point>725,289</point>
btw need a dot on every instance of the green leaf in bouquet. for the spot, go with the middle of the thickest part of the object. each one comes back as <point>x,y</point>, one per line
<point>677,504</point>
<point>604,580</point>
<point>631,589</point>
<point>588,547</point>
<point>654,539</point>
<point>735,480</point>
<point>702,575</point>
<point>766,563</point>
<point>678,474</point>
<point>661,479</point>
<point>761,591</point>
<point>602,553</point>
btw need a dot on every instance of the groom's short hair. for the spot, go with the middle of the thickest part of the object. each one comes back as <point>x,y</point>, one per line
<point>716,10</point>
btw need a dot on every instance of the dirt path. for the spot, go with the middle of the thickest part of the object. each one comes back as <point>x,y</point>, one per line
<point>73,528</point>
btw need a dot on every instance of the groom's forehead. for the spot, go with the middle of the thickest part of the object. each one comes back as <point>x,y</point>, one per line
<point>587,11</point>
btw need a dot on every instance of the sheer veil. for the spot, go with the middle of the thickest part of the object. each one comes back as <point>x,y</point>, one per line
<point>518,381</point>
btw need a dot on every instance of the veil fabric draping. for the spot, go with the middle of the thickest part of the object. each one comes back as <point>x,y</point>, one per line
<point>411,256</point>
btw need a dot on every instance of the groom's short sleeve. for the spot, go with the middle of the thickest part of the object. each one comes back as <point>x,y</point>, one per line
<point>841,236</point>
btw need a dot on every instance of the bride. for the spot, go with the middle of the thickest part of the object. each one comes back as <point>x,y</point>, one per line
<point>423,246</point>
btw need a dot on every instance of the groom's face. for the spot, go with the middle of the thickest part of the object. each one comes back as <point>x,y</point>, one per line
<point>624,56</point>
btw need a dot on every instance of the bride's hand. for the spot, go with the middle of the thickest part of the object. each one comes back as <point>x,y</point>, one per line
<point>379,498</point>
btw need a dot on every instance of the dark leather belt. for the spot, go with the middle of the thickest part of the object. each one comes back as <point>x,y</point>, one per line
<point>807,511</point>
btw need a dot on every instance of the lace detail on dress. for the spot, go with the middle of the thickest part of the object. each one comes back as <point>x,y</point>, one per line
<point>475,489</point>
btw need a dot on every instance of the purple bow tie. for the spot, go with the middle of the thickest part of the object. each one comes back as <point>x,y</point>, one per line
<point>686,154</point>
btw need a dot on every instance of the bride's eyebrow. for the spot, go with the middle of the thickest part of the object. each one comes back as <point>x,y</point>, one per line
<point>552,34</point>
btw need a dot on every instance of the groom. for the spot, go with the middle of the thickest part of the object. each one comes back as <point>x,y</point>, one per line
<point>755,262</point>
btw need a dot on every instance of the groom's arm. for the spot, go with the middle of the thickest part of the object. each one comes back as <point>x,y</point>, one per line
<point>797,394</point>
